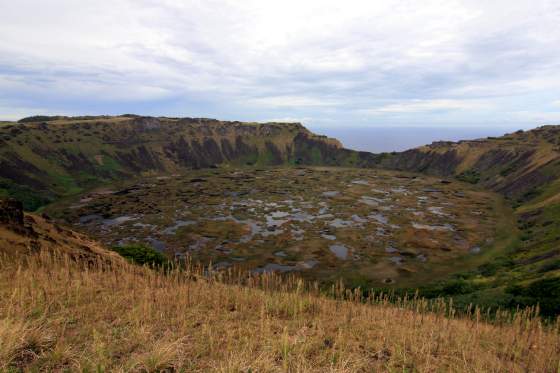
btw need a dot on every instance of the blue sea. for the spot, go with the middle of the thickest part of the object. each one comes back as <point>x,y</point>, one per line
<point>388,139</point>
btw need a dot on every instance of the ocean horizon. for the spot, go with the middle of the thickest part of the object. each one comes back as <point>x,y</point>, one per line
<point>395,139</point>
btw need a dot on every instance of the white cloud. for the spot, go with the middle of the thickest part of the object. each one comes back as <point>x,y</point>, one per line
<point>419,106</point>
<point>537,118</point>
<point>288,120</point>
<point>323,59</point>
<point>12,112</point>
<point>290,101</point>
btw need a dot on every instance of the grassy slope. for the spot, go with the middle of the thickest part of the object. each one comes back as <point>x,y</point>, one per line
<point>67,304</point>
<point>52,238</point>
<point>505,237</point>
<point>525,167</point>
<point>55,316</point>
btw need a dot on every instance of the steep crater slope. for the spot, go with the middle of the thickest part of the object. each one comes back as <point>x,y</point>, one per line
<point>44,158</point>
<point>525,168</point>
<point>516,165</point>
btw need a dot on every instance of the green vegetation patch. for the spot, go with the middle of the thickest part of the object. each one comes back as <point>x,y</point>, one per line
<point>545,292</point>
<point>142,255</point>
<point>66,183</point>
<point>469,176</point>
<point>109,164</point>
<point>31,199</point>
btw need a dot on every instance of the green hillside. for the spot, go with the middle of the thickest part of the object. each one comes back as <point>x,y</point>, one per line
<point>525,168</point>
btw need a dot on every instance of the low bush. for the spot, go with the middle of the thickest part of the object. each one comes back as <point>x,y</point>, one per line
<point>490,268</point>
<point>142,255</point>
<point>545,292</point>
<point>469,176</point>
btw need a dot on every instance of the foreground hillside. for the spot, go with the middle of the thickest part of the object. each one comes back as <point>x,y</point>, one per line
<point>55,315</point>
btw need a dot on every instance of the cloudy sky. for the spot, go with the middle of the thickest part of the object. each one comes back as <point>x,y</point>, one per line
<point>325,63</point>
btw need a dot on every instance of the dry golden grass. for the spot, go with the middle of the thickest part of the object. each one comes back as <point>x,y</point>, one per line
<point>56,314</point>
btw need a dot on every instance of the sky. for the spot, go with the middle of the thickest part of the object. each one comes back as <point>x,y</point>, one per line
<point>327,64</point>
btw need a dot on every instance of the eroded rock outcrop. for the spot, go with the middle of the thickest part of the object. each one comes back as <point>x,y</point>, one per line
<point>513,165</point>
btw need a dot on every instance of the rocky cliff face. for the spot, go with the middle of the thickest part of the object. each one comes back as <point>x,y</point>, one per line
<point>44,158</point>
<point>514,165</point>
<point>13,220</point>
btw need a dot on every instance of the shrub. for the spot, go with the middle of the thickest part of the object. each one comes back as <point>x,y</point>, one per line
<point>545,292</point>
<point>452,287</point>
<point>490,268</point>
<point>469,176</point>
<point>142,254</point>
<point>456,287</point>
